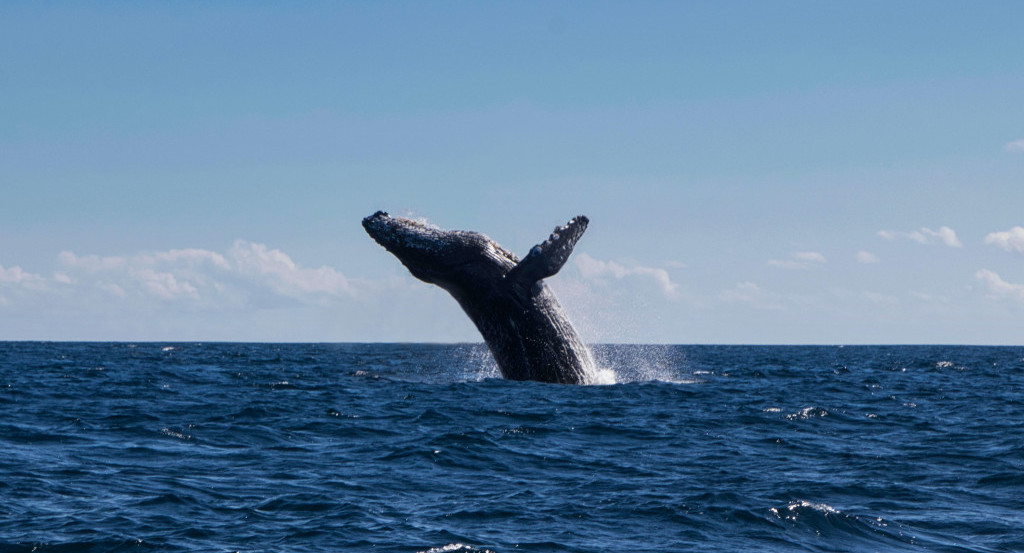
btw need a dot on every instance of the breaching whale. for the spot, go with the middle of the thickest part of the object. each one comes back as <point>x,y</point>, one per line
<point>520,319</point>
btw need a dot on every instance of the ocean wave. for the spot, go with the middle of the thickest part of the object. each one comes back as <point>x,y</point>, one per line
<point>205,448</point>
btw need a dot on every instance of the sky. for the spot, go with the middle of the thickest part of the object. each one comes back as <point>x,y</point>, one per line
<point>754,172</point>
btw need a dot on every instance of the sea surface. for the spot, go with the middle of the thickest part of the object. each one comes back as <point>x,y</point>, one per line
<point>413,448</point>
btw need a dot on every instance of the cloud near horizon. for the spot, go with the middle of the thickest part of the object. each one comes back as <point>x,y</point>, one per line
<point>1015,146</point>
<point>246,273</point>
<point>1000,288</point>
<point>594,270</point>
<point>750,294</point>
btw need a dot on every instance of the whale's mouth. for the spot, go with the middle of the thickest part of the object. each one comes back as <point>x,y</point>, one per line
<point>426,250</point>
<point>378,225</point>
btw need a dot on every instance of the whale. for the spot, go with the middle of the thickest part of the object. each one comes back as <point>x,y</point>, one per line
<point>524,326</point>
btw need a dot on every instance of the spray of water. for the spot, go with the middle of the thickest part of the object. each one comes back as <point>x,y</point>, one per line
<point>624,363</point>
<point>478,362</point>
<point>618,363</point>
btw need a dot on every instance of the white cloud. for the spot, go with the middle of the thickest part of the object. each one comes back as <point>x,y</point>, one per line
<point>165,285</point>
<point>867,257</point>
<point>203,277</point>
<point>112,289</point>
<point>946,234</point>
<point>242,291</point>
<point>799,261</point>
<point>809,256</point>
<point>918,236</point>
<point>750,294</point>
<point>595,269</point>
<point>1015,146</point>
<point>742,292</point>
<point>925,235</point>
<point>1009,240</point>
<point>190,256</point>
<point>18,276</point>
<point>15,275</point>
<point>998,287</point>
<point>283,274</point>
<point>929,298</point>
<point>173,275</point>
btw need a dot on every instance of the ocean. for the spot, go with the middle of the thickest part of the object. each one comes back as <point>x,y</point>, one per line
<point>117,447</point>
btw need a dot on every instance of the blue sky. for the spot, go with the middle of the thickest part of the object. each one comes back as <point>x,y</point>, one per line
<point>763,172</point>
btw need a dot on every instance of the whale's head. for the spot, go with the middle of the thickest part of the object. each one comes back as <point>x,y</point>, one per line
<point>449,258</point>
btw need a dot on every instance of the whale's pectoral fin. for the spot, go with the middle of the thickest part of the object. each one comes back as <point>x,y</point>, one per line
<point>545,259</point>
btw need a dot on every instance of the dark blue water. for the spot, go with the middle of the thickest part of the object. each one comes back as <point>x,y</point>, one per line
<point>410,448</point>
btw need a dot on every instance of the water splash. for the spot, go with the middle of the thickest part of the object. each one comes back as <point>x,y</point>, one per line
<point>477,362</point>
<point>622,363</point>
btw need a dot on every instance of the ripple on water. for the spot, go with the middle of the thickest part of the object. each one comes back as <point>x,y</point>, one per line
<point>255,447</point>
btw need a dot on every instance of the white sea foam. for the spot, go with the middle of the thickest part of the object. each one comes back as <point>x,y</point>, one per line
<point>174,434</point>
<point>452,547</point>
<point>793,510</point>
<point>807,413</point>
